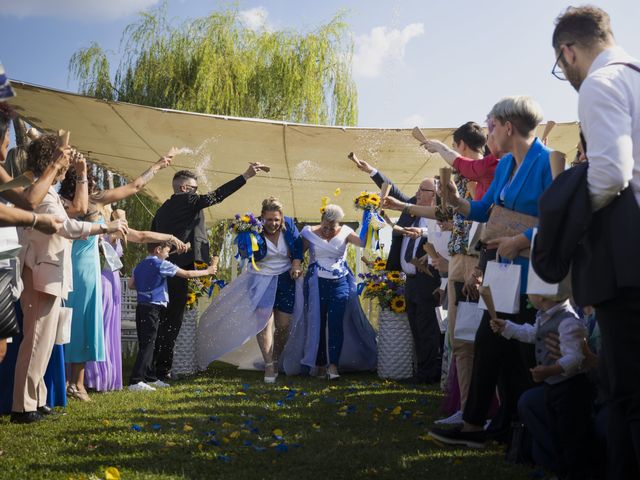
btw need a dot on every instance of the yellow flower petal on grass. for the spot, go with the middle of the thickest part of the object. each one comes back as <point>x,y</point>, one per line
<point>277,432</point>
<point>396,411</point>
<point>112,473</point>
<point>187,428</point>
<point>234,434</point>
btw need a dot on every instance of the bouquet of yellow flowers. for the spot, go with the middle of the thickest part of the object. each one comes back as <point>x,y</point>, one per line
<point>367,201</point>
<point>248,238</point>
<point>386,286</point>
<point>372,221</point>
<point>197,287</point>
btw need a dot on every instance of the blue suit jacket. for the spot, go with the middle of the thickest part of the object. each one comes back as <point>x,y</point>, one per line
<point>291,236</point>
<point>521,195</point>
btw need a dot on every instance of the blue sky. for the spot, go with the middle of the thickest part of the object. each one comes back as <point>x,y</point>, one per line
<point>427,63</point>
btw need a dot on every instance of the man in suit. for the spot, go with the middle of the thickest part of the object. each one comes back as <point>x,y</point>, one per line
<point>182,216</point>
<point>608,82</point>
<point>420,286</point>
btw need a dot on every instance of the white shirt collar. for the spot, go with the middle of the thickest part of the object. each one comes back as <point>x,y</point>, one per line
<point>613,54</point>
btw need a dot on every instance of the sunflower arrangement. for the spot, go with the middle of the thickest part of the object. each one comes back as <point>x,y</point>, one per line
<point>367,201</point>
<point>385,286</point>
<point>197,287</point>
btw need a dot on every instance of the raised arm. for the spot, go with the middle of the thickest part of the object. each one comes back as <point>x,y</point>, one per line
<point>79,206</point>
<point>379,178</point>
<point>436,146</point>
<point>116,194</point>
<point>29,198</point>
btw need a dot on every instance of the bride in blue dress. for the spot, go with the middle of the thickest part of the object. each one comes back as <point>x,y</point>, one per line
<point>260,302</point>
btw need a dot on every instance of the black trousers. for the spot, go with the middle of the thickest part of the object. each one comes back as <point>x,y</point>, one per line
<point>502,363</point>
<point>170,326</point>
<point>148,318</point>
<point>619,321</point>
<point>569,406</point>
<point>421,312</point>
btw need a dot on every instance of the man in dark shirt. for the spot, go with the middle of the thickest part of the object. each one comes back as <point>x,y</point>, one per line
<point>182,216</point>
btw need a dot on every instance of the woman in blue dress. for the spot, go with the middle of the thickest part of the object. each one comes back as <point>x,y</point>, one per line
<point>260,302</point>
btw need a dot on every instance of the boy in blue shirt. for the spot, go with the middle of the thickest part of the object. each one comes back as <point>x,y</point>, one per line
<point>149,278</point>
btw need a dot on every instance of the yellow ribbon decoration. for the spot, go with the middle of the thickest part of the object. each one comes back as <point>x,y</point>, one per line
<point>254,248</point>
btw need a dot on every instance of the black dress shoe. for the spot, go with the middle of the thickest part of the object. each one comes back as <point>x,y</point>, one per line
<point>46,410</point>
<point>25,417</point>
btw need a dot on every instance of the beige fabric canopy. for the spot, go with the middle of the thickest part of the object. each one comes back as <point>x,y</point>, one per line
<point>307,162</point>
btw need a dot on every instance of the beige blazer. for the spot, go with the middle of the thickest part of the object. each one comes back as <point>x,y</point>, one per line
<point>49,256</point>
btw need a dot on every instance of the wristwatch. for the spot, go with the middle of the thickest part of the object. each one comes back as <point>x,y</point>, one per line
<point>104,228</point>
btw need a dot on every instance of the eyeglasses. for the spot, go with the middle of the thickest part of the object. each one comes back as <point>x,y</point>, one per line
<point>427,190</point>
<point>557,71</point>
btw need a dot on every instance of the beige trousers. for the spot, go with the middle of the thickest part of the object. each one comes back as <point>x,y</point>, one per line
<point>40,322</point>
<point>460,266</point>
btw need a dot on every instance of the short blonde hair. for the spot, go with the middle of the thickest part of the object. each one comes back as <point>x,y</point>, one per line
<point>272,204</point>
<point>332,213</point>
<point>524,113</point>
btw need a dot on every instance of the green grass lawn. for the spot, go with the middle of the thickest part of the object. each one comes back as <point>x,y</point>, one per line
<point>227,424</point>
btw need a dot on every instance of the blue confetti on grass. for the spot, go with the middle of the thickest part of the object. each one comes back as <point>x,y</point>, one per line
<point>156,426</point>
<point>282,448</point>
<point>214,418</point>
<point>136,427</point>
<point>224,458</point>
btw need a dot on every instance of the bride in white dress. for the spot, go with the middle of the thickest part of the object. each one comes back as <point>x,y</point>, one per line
<point>331,332</point>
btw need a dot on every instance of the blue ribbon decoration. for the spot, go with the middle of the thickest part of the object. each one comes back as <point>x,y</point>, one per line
<point>360,288</point>
<point>220,283</point>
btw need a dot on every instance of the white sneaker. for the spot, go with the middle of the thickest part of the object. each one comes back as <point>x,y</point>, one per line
<point>141,387</point>
<point>455,419</point>
<point>159,384</point>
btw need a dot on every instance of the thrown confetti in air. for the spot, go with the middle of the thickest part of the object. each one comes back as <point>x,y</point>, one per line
<point>336,192</point>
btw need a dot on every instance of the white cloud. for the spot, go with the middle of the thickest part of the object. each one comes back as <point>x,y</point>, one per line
<point>415,120</point>
<point>373,50</point>
<point>255,18</point>
<point>103,9</point>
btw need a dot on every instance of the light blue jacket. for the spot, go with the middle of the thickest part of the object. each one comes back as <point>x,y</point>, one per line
<point>533,178</point>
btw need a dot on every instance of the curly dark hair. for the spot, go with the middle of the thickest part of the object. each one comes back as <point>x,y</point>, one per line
<point>68,185</point>
<point>40,153</point>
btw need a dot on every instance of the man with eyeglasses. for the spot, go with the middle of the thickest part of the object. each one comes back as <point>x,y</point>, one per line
<point>420,287</point>
<point>608,82</point>
<point>182,216</point>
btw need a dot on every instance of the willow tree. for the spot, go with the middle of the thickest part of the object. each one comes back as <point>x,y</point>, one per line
<point>219,66</point>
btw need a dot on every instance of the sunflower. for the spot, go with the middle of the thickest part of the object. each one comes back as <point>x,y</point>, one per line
<point>374,199</point>
<point>245,218</point>
<point>191,298</point>
<point>200,265</point>
<point>379,264</point>
<point>394,277</point>
<point>375,287</point>
<point>398,304</point>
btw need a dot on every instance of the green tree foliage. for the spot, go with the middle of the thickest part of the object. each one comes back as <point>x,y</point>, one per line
<point>217,65</point>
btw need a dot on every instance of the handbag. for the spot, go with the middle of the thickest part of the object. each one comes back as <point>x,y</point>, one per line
<point>8,320</point>
<point>504,280</point>
<point>468,317</point>
<point>63,332</point>
<point>504,222</point>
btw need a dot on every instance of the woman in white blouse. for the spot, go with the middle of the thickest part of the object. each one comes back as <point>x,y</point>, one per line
<point>332,331</point>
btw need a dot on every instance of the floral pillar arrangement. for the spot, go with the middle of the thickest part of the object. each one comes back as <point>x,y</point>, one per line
<point>395,343</point>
